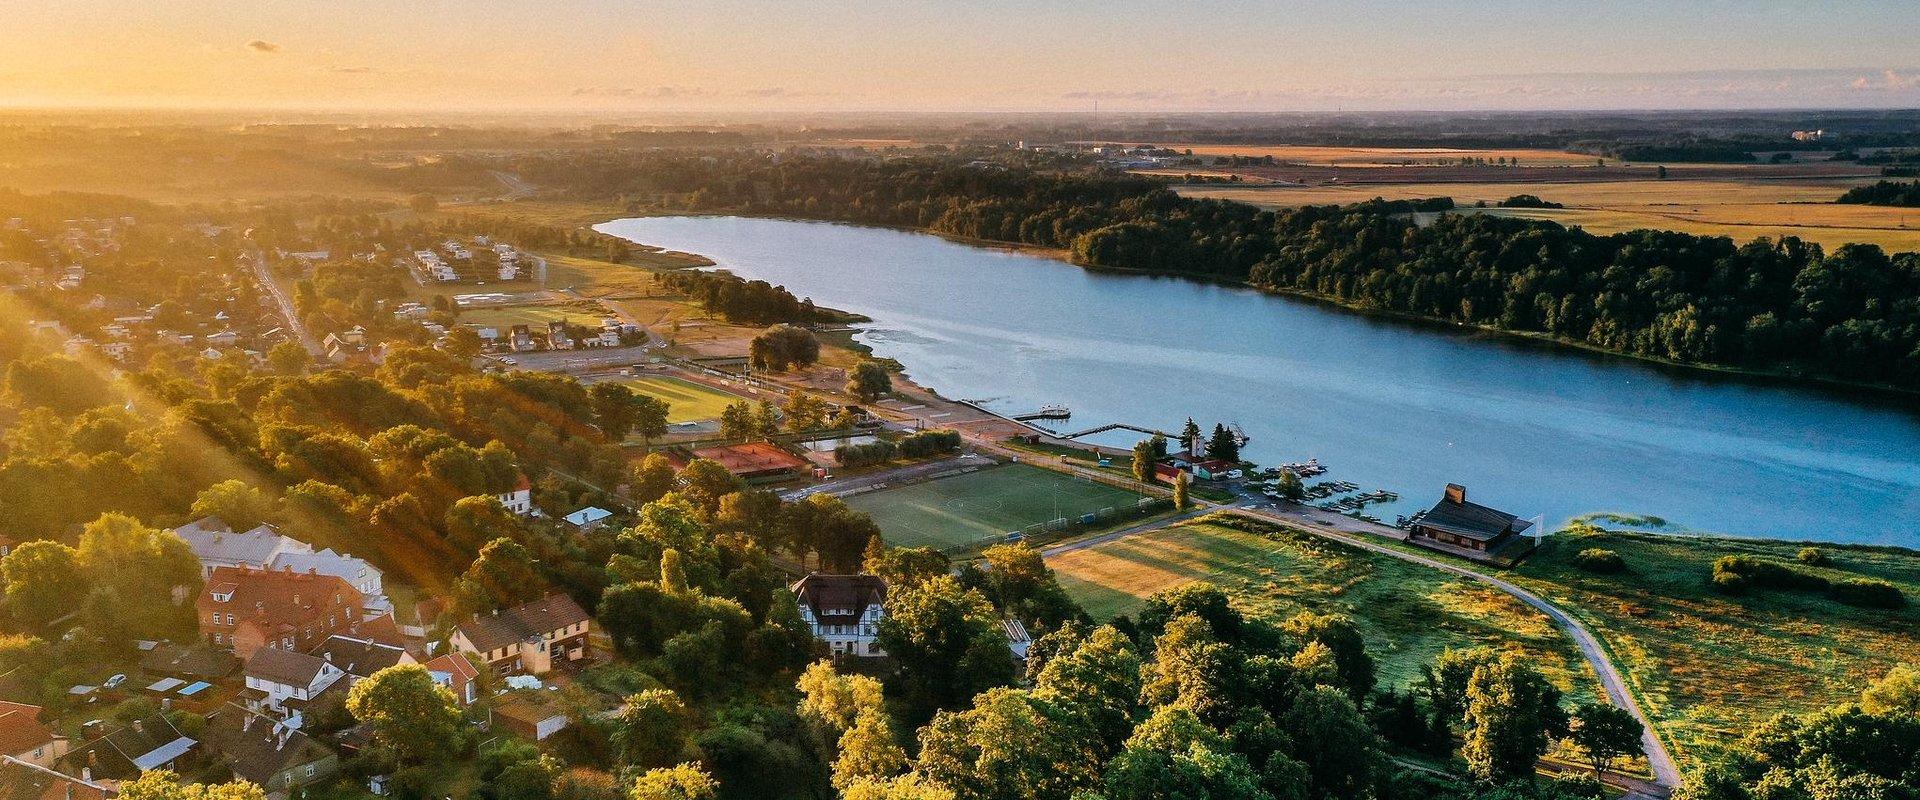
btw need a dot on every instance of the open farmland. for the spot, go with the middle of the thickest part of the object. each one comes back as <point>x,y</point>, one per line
<point>1742,210</point>
<point>1709,667</point>
<point>1380,156</point>
<point>984,505</point>
<point>1407,612</point>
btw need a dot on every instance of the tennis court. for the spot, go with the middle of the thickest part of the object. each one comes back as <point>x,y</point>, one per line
<point>988,504</point>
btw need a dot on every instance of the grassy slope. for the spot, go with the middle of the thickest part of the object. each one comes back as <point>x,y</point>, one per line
<point>1408,613</point>
<point>1708,667</point>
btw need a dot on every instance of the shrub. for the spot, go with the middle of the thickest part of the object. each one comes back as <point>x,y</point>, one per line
<point>1730,582</point>
<point>1814,557</point>
<point>857,455</point>
<point>1867,593</point>
<point>1599,560</point>
<point>926,443</point>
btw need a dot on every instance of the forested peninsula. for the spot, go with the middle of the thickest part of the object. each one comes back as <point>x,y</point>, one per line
<point>1784,306</point>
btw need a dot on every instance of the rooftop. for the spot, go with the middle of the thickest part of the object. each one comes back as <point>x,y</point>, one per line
<point>359,657</point>
<point>1454,514</point>
<point>521,623</point>
<point>285,666</point>
<point>20,728</point>
<point>256,747</point>
<point>840,599</point>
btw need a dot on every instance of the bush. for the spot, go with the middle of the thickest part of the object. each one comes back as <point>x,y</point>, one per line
<point>926,443</point>
<point>1814,557</point>
<point>1599,560</point>
<point>1730,582</point>
<point>1867,593</point>
<point>859,455</point>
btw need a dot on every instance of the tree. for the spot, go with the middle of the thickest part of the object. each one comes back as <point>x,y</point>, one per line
<point>804,411</point>
<point>869,381</point>
<point>1604,733</point>
<point>682,782</point>
<point>160,784</point>
<point>1143,460</point>
<point>947,642</point>
<point>1182,482</point>
<point>235,502</point>
<point>288,358</point>
<point>613,409</point>
<point>57,382</point>
<point>1223,445</point>
<point>462,342</point>
<point>651,479</point>
<point>766,419</point>
<point>503,576</point>
<point>1291,489</point>
<point>703,482</point>
<point>1512,713</point>
<point>1190,435</point>
<point>423,203</point>
<point>1898,692</point>
<point>651,729</point>
<point>783,346</point>
<point>649,417</point>
<point>414,720</point>
<point>868,750</point>
<point>133,574</point>
<point>1024,588</point>
<point>42,579</point>
<point>737,421</point>
<point>1342,639</point>
<point>1341,753</point>
<point>1009,744</point>
<point>830,703</point>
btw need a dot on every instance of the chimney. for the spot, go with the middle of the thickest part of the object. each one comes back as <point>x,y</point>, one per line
<point>86,774</point>
<point>328,656</point>
<point>1456,493</point>
<point>137,728</point>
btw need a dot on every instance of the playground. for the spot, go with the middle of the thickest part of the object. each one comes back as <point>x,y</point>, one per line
<point>987,505</point>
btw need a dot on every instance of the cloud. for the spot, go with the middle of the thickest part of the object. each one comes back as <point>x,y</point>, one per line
<point>1889,80</point>
<point>353,70</point>
<point>262,46</point>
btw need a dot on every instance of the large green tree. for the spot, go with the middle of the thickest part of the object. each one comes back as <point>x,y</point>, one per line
<point>414,720</point>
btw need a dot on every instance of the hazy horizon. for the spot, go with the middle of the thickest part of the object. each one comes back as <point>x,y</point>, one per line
<point>744,57</point>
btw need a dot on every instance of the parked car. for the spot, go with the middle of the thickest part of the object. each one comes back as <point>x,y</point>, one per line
<point>114,682</point>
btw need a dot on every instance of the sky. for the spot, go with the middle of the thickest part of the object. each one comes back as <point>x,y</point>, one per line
<point>629,56</point>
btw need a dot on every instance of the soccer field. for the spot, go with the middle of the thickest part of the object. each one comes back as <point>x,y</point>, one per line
<point>686,401</point>
<point>983,505</point>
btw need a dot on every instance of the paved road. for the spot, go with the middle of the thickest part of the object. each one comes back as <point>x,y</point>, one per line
<point>1665,772</point>
<point>267,282</point>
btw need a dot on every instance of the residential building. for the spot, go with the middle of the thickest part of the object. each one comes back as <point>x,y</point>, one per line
<point>359,574</point>
<point>455,672</point>
<point>1018,640</point>
<point>520,500</point>
<point>588,518</point>
<point>276,677</point>
<point>844,611</point>
<point>528,639</point>
<point>21,780</point>
<point>533,718</point>
<point>143,744</point>
<point>22,736</point>
<point>7,543</point>
<point>245,609</point>
<point>217,545</point>
<point>1454,521</point>
<point>268,752</point>
<point>360,657</point>
<point>197,662</point>
<point>559,335</point>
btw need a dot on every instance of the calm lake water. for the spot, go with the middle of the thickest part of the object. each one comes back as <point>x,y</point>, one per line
<point>1386,404</point>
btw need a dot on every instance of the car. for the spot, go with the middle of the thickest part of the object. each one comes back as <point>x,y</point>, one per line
<point>114,682</point>
<point>508,361</point>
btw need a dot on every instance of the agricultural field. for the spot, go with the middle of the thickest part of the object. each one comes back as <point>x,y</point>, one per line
<point>1408,613</point>
<point>984,505</point>
<point>686,401</point>
<point>1708,667</point>
<point>1739,209</point>
<point>1382,156</point>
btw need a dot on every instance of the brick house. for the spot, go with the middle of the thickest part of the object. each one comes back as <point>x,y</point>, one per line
<point>23,737</point>
<point>244,609</point>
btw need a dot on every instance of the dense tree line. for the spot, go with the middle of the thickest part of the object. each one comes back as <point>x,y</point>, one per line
<point>1884,193</point>
<point>1786,305</point>
<point>740,300</point>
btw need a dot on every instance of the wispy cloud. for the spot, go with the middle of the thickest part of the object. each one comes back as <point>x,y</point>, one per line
<point>263,46</point>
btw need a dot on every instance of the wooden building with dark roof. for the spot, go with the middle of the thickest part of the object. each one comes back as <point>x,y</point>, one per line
<point>1455,521</point>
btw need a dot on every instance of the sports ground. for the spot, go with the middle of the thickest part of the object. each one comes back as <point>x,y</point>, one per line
<point>686,401</point>
<point>986,505</point>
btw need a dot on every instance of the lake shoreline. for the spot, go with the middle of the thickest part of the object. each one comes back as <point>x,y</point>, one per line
<point>1909,398</point>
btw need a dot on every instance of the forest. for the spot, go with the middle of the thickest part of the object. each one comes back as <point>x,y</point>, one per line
<point>1885,193</point>
<point>1784,306</point>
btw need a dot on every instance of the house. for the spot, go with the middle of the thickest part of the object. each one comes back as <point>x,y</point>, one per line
<point>530,717</point>
<point>522,340</point>
<point>1454,521</point>
<point>143,744</point>
<point>1018,640</point>
<point>459,675</point>
<point>277,677</point>
<point>7,543</point>
<point>527,639</point>
<point>844,611</point>
<point>558,335</point>
<point>359,574</point>
<point>755,462</point>
<point>197,662</point>
<point>217,545</point>
<point>359,658</point>
<point>520,500</point>
<point>223,339</point>
<point>23,737</point>
<point>1212,469</point>
<point>21,780</point>
<point>588,518</point>
<point>246,609</point>
<point>268,752</point>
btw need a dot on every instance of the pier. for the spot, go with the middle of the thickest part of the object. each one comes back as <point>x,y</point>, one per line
<point>1119,426</point>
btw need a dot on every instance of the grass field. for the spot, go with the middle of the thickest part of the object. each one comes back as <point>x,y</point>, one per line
<point>1408,613</point>
<point>1374,156</point>
<point>982,505</point>
<point>537,315</point>
<point>1709,667</point>
<point>1740,209</point>
<point>686,401</point>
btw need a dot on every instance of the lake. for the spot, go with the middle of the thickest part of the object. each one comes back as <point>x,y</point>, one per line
<point>1409,407</point>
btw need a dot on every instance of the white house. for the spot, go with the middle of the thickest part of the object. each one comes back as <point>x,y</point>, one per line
<point>844,611</point>
<point>217,545</point>
<point>282,676</point>
<point>520,500</point>
<point>355,571</point>
<point>588,518</point>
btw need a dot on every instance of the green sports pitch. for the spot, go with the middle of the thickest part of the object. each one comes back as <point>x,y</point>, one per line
<point>987,505</point>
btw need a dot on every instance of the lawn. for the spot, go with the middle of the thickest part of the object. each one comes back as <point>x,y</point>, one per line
<point>537,315</point>
<point>1408,613</point>
<point>1709,667</point>
<point>686,401</point>
<point>984,505</point>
